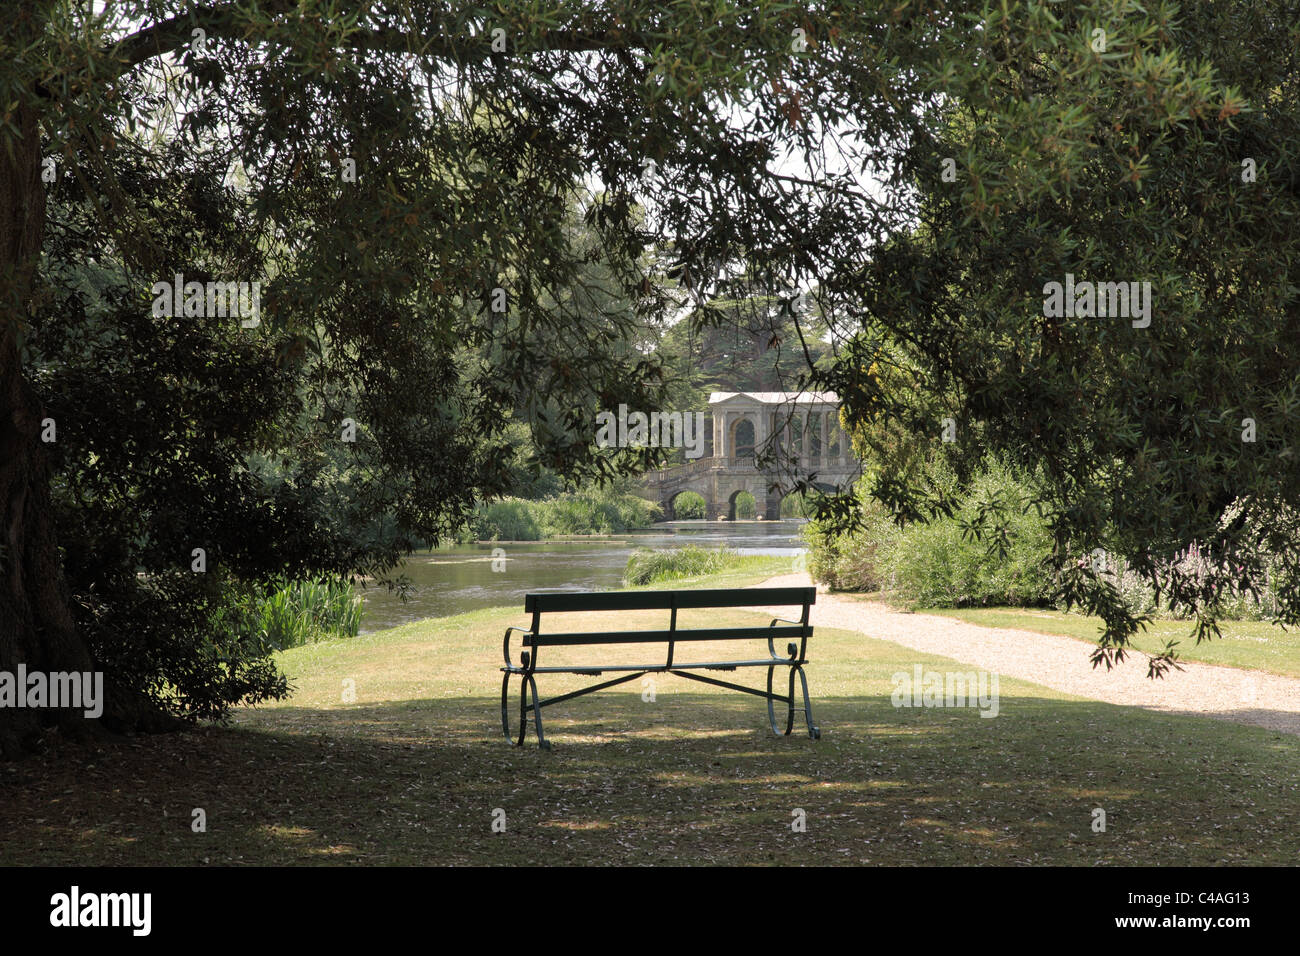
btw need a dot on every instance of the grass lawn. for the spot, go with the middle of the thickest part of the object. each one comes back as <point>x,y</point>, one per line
<point>412,770</point>
<point>1256,645</point>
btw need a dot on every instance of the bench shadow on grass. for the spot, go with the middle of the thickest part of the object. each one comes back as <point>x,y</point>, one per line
<point>690,778</point>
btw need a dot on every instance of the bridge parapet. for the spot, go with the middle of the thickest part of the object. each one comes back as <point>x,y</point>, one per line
<point>679,472</point>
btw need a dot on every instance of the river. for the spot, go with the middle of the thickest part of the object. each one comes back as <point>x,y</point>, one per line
<point>459,579</point>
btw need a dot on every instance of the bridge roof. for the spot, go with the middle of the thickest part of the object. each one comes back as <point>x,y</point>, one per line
<point>777,398</point>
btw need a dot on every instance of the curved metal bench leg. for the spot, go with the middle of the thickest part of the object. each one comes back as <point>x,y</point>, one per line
<point>789,717</point>
<point>523,710</point>
<point>505,703</point>
<point>771,714</point>
<point>814,731</point>
<point>537,715</point>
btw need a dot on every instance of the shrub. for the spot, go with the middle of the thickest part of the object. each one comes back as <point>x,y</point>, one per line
<point>939,564</point>
<point>942,563</point>
<point>510,519</point>
<point>851,562</point>
<point>745,507</point>
<point>1140,597</point>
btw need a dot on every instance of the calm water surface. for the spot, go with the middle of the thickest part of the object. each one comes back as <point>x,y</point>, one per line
<point>460,579</point>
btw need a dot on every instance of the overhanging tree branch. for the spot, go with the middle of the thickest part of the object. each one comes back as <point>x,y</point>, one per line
<point>231,22</point>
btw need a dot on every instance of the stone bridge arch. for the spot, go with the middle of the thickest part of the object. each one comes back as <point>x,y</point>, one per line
<point>670,502</point>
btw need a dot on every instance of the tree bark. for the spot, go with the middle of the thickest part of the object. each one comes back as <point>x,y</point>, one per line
<point>37,626</point>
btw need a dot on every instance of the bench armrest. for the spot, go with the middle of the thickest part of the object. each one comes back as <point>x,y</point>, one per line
<point>505,646</point>
<point>772,650</point>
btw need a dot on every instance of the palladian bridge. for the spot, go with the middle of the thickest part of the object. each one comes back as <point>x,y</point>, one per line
<point>793,433</point>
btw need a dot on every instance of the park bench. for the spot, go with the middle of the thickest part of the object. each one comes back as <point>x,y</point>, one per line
<point>535,638</point>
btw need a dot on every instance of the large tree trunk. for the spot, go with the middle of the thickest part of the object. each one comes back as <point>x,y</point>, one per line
<point>36,621</point>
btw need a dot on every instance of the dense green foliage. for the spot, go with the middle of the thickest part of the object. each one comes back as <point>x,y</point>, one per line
<point>746,507</point>
<point>688,506</point>
<point>947,563</point>
<point>943,563</point>
<point>850,561</point>
<point>508,519</point>
<point>796,506</point>
<point>1165,154</point>
<point>160,426</point>
<point>741,339</point>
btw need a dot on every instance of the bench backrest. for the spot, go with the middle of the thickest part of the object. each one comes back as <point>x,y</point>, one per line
<point>667,600</point>
<point>672,601</point>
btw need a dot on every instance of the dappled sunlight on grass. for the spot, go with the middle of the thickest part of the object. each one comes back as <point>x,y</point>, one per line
<point>334,851</point>
<point>683,779</point>
<point>587,825</point>
<point>289,833</point>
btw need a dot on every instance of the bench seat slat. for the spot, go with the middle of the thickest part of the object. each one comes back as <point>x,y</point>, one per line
<point>662,600</point>
<point>646,637</point>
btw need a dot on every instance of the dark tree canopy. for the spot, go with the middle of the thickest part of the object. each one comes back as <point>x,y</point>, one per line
<point>1161,151</point>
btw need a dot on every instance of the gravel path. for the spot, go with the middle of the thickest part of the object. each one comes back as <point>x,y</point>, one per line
<point>1244,696</point>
